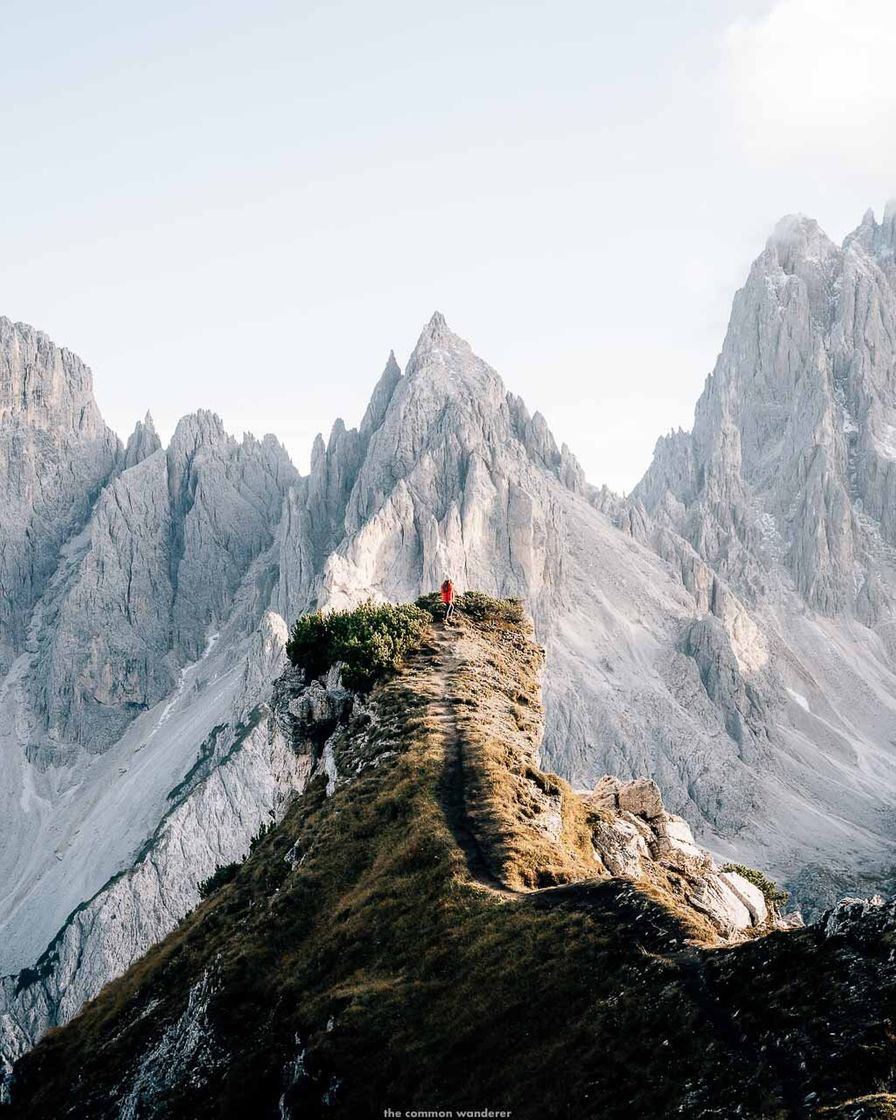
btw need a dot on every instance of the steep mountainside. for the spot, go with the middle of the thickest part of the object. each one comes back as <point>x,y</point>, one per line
<point>130,758</point>
<point>167,547</point>
<point>792,455</point>
<point>436,924</point>
<point>56,454</point>
<point>787,488</point>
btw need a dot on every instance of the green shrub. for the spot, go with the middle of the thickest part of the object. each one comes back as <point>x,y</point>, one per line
<point>774,895</point>
<point>224,873</point>
<point>370,641</point>
<point>221,875</point>
<point>476,605</point>
<point>263,831</point>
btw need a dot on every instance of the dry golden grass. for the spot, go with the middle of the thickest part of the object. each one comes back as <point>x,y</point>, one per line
<point>876,1106</point>
<point>407,985</point>
<point>495,683</point>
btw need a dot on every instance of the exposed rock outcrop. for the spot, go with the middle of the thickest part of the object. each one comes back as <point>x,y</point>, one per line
<point>789,458</point>
<point>56,454</point>
<point>858,918</point>
<point>168,545</point>
<point>635,838</point>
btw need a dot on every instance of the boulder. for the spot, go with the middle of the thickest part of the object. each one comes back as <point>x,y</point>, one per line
<point>675,845</point>
<point>851,914</point>
<point>606,792</point>
<point>641,797</point>
<point>620,846</point>
<point>749,894</point>
<point>318,709</point>
<point>640,825</point>
<point>714,897</point>
<point>547,811</point>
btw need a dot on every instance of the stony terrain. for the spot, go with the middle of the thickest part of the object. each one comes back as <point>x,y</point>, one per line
<point>437,923</point>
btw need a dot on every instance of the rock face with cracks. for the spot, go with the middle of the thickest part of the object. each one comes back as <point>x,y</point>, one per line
<point>634,838</point>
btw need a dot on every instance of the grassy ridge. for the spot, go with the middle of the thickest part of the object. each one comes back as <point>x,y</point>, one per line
<point>354,936</point>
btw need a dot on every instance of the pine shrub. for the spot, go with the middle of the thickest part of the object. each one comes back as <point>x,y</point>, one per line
<point>774,895</point>
<point>369,641</point>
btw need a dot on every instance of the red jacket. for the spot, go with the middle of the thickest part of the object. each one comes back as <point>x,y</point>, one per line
<point>448,592</point>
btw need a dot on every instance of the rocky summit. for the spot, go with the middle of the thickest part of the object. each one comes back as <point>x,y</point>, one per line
<point>725,632</point>
<point>438,924</point>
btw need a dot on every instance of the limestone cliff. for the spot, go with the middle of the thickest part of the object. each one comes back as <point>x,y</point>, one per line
<point>56,454</point>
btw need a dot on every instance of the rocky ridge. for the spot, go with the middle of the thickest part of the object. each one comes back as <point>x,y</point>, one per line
<point>296,989</point>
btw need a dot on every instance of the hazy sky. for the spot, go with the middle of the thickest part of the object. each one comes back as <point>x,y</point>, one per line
<point>244,206</point>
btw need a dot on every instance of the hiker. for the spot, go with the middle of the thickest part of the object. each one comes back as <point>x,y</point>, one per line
<point>448,599</point>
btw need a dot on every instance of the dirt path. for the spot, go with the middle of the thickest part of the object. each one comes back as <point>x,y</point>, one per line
<point>453,789</point>
<point>453,784</point>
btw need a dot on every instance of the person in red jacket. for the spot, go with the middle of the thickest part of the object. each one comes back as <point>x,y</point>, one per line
<point>448,599</point>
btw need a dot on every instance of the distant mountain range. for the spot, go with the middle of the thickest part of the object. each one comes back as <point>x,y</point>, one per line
<point>727,629</point>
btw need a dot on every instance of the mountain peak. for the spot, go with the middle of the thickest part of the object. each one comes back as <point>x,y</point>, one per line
<point>200,427</point>
<point>796,239</point>
<point>878,239</point>
<point>46,385</point>
<point>887,236</point>
<point>438,339</point>
<point>435,333</point>
<point>444,367</point>
<point>381,396</point>
<point>144,441</point>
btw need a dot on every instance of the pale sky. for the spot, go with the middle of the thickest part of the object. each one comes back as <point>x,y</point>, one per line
<point>243,206</point>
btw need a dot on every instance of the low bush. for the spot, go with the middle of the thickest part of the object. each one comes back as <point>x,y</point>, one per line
<point>370,641</point>
<point>476,605</point>
<point>774,895</point>
<point>221,875</point>
<point>225,873</point>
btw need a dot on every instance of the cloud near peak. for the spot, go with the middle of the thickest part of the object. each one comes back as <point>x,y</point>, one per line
<point>813,80</point>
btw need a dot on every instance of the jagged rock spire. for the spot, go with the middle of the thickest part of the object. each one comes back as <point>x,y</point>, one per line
<point>143,442</point>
